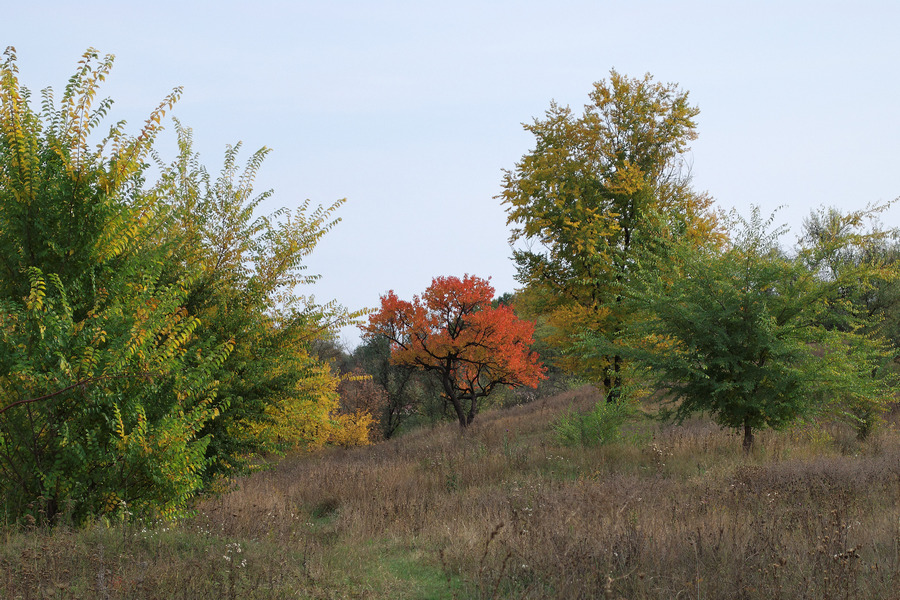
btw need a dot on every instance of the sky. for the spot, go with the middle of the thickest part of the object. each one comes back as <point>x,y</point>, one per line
<point>411,110</point>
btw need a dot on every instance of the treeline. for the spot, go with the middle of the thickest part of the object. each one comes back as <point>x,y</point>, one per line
<point>640,285</point>
<point>637,284</point>
<point>152,338</point>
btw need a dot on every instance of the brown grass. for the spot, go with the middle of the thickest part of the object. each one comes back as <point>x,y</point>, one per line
<point>504,512</point>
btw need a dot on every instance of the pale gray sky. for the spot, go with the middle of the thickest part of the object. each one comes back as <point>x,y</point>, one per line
<point>411,109</point>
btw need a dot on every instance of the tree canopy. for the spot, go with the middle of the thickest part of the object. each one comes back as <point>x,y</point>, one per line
<point>453,331</point>
<point>741,334</point>
<point>595,188</point>
<point>245,271</point>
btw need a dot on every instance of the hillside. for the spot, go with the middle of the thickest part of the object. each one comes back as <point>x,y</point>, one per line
<point>506,512</point>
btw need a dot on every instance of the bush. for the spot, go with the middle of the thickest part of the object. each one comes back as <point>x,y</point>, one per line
<point>600,426</point>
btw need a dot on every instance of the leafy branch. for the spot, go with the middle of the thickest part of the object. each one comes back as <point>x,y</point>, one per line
<point>78,384</point>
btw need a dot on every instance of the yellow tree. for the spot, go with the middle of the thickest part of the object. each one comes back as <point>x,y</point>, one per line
<point>594,188</point>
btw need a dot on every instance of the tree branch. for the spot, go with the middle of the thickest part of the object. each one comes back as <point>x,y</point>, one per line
<point>82,383</point>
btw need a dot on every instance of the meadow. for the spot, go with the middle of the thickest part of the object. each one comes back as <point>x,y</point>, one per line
<point>505,511</point>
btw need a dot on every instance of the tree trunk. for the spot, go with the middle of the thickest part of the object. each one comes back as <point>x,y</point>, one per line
<point>471,416</point>
<point>612,380</point>
<point>456,402</point>
<point>748,438</point>
<point>465,419</point>
<point>463,423</point>
<point>460,414</point>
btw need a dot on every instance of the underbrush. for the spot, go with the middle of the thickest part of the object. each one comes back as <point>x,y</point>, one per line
<point>505,511</point>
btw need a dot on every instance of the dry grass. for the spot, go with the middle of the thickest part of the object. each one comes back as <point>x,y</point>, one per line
<point>504,512</point>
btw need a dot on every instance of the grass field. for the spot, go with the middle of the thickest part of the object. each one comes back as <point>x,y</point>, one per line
<point>505,512</point>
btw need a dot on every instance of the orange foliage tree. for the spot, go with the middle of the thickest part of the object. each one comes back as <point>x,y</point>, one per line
<point>453,331</point>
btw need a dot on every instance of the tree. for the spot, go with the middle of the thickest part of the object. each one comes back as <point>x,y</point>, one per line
<point>401,391</point>
<point>838,246</point>
<point>245,269</point>
<point>453,331</point>
<point>881,299</point>
<point>593,190</point>
<point>739,334</point>
<point>102,403</point>
<point>150,336</point>
<point>854,252</point>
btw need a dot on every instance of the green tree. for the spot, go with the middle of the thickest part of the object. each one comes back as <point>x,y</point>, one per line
<point>837,246</point>
<point>739,334</point>
<point>881,299</point>
<point>853,251</point>
<point>150,336</point>
<point>103,404</point>
<point>594,189</point>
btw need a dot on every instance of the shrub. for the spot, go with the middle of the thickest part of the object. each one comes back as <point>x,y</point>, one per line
<point>600,426</point>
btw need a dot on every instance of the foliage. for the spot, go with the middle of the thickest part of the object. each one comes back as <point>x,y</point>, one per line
<point>601,425</point>
<point>104,404</point>
<point>245,270</point>
<point>149,336</point>
<point>854,249</point>
<point>855,253</point>
<point>453,331</point>
<point>532,301</point>
<point>398,395</point>
<point>739,334</point>
<point>881,298</point>
<point>353,429</point>
<point>360,394</point>
<point>596,188</point>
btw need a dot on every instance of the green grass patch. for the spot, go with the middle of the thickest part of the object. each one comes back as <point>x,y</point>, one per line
<point>389,569</point>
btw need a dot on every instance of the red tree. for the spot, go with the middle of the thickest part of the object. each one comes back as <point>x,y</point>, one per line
<point>453,331</point>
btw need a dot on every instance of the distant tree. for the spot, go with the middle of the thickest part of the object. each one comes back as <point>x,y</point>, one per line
<point>595,189</point>
<point>506,299</point>
<point>859,257</point>
<point>402,390</point>
<point>453,332</point>
<point>739,334</point>
<point>837,246</point>
<point>881,299</point>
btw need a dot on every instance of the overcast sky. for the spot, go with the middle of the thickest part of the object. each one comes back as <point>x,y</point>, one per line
<point>411,110</point>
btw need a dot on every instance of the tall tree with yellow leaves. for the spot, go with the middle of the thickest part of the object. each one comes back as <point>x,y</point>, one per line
<point>594,188</point>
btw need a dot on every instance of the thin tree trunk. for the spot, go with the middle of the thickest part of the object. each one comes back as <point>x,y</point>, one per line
<point>748,438</point>
<point>447,384</point>
<point>460,414</point>
<point>472,407</point>
<point>612,380</point>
